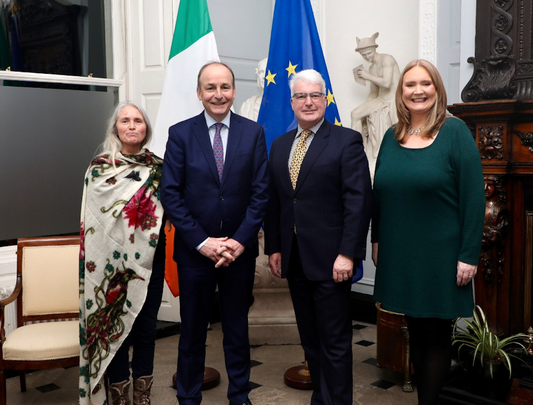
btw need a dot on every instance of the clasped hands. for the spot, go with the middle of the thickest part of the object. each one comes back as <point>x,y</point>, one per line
<point>222,251</point>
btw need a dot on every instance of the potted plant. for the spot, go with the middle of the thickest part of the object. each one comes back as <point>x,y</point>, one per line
<point>489,353</point>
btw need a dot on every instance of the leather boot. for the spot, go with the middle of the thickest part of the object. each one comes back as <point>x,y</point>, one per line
<point>120,393</point>
<point>142,388</point>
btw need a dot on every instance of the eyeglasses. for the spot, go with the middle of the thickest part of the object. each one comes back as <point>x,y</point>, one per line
<point>315,96</point>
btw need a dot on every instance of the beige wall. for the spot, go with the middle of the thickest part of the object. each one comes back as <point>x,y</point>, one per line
<point>340,23</point>
<point>397,24</point>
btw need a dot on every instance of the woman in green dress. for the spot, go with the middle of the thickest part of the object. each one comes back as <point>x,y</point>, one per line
<point>429,207</point>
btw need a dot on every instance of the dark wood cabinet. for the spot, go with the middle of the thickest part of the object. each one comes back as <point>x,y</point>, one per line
<point>503,131</point>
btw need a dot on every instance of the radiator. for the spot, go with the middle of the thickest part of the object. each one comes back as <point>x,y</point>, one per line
<point>10,316</point>
<point>8,275</point>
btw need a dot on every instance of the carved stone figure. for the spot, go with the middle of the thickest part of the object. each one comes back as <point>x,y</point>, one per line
<point>250,108</point>
<point>378,112</point>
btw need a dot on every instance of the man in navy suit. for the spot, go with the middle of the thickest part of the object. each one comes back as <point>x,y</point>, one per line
<point>315,232</point>
<point>215,192</point>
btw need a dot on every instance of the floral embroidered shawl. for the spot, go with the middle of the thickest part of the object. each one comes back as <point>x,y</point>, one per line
<point>121,217</point>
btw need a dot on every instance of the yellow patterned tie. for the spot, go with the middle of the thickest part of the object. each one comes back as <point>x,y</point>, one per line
<point>298,157</point>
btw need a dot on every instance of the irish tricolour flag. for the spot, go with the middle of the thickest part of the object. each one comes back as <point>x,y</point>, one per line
<point>193,45</point>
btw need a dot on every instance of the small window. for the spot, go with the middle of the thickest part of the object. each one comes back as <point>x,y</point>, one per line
<point>61,37</point>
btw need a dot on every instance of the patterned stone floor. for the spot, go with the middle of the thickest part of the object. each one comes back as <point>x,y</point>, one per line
<point>372,385</point>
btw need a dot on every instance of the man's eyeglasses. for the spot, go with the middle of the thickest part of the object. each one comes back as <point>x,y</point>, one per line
<point>315,96</point>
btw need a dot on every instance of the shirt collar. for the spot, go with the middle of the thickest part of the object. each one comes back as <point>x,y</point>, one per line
<point>313,129</point>
<point>210,120</point>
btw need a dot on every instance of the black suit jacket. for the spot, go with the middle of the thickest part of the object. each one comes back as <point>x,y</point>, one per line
<point>330,207</point>
<point>198,204</point>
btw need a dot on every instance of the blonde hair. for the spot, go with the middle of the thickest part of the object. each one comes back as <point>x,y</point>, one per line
<point>437,115</point>
<point>112,143</point>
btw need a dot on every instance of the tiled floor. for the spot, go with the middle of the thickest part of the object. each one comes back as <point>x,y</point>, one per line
<point>519,396</point>
<point>372,385</point>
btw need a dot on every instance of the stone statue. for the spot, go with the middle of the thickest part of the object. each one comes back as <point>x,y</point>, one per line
<point>271,318</point>
<point>378,112</point>
<point>250,108</point>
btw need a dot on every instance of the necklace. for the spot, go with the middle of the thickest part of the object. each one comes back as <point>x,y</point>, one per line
<point>412,131</point>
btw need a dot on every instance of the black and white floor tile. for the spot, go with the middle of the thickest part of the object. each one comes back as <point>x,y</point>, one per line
<point>372,385</point>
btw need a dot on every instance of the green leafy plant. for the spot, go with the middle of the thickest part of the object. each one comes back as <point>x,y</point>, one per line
<point>487,347</point>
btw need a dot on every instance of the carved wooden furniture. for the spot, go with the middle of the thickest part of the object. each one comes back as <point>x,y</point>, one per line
<point>46,290</point>
<point>503,131</point>
<point>503,65</point>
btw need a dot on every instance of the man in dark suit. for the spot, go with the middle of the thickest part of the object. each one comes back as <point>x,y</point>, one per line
<point>215,192</point>
<point>315,232</point>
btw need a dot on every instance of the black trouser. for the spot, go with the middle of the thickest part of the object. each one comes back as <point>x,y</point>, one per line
<point>430,344</point>
<point>322,311</point>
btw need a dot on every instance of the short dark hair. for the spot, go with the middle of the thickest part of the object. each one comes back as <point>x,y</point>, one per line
<point>215,63</point>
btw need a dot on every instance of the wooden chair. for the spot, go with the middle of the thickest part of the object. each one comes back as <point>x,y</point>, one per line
<point>47,295</point>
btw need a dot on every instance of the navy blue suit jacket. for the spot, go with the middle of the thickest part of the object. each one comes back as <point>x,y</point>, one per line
<point>331,205</point>
<point>198,204</point>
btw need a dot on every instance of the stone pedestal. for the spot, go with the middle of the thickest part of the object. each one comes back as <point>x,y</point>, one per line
<point>271,318</point>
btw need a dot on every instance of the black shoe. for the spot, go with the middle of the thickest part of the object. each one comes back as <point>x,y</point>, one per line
<point>245,403</point>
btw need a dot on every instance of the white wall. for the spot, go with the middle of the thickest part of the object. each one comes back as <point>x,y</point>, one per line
<point>407,30</point>
<point>397,23</point>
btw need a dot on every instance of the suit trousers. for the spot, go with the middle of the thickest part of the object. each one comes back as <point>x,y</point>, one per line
<point>197,286</point>
<point>323,316</point>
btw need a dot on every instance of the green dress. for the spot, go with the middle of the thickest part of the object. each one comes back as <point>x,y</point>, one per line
<point>429,209</point>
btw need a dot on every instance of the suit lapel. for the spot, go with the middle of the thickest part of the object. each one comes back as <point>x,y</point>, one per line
<point>318,144</point>
<point>234,140</point>
<point>201,133</point>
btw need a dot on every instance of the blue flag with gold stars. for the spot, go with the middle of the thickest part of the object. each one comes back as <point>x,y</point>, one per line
<point>294,46</point>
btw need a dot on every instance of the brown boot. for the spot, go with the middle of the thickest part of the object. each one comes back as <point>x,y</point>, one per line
<point>141,390</point>
<point>120,393</point>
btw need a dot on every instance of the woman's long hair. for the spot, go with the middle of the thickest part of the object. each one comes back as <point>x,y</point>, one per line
<point>437,114</point>
<point>112,144</point>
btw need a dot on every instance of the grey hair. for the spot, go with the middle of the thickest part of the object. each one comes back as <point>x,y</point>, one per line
<point>112,143</point>
<point>310,76</point>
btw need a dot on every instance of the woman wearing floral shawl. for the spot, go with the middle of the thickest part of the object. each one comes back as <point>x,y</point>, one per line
<point>121,262</point>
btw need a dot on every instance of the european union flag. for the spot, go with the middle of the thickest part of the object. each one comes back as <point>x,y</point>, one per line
<point>294,46</point>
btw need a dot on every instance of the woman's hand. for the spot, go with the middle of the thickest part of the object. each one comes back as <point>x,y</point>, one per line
<point>375,253</point>
<point>465,273</point>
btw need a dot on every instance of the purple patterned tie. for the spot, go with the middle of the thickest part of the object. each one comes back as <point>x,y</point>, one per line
<point>218,150</point>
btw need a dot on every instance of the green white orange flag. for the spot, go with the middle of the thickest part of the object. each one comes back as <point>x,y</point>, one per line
<point>193,45</point>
